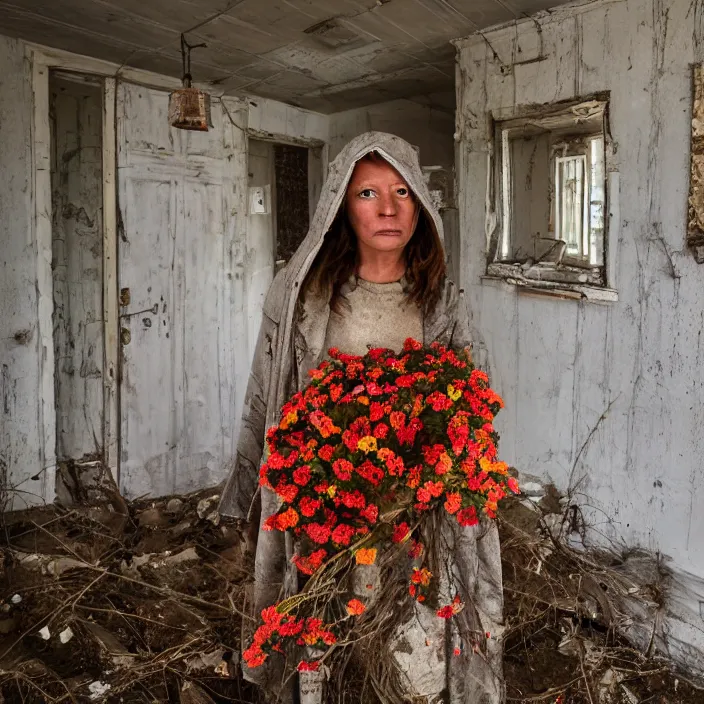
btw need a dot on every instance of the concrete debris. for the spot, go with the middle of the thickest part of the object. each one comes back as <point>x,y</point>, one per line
<point>98,690</point>
<point>608,686</point>
<point>112,649</point>
<point>159,561</point>
<point>174,506</point>
<point>223,669</point>
<point>532,490</point>
<point>47,564</point>
<point>181,528</point>
<point>66,635</point>
<point>311,687</point>
<point>208,509</point>
<point>16,599</point>
<point>45,633</point>
<point>629,695</point>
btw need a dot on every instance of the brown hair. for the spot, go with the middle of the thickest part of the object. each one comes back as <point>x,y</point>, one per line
<point>337,260</point>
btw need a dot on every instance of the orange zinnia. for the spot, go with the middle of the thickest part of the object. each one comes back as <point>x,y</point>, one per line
<point>355,607</point>
<point>365,556</point>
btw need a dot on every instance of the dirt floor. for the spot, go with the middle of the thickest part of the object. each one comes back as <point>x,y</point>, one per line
<point>142,603</point>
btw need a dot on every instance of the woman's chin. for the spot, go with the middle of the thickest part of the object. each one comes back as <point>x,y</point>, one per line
<point>387,243</point>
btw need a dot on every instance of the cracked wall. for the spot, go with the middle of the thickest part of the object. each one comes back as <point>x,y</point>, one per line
<point>605,400</point>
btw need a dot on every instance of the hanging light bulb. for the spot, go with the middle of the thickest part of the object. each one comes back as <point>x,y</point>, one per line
<point>189,107</point>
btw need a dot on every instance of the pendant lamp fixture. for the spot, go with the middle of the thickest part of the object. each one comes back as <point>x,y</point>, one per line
<point>189,107</point>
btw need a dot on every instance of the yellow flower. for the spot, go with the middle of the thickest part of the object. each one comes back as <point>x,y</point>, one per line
<point>367,444</point>
<point>332,490</point>
<point>453,393</point>
<point>365,556</point>
<point>485,464</point>
<point>290,418</point>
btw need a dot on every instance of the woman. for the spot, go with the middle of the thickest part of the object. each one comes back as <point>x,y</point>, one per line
<point>370,272</point>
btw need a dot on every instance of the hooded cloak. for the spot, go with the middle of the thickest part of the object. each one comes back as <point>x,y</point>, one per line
<point>290,343</point>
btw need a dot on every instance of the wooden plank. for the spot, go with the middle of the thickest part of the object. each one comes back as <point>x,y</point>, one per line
<point>41,160</point>
<point>111,430</point>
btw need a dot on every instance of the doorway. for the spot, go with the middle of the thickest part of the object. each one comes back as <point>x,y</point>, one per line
<point>278,217</point>
<point>76,124</point>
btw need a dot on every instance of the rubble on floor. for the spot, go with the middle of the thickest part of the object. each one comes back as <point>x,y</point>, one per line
<point>146,606</point>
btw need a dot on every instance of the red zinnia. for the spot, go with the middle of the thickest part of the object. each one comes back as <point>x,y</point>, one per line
<point>309,506</point>
<point>343,469</point>
<point>304,666</point>
<point>370,513</point>
<point>468,517</point>
<point>453,502</point>
<point>400,532</point>
<point>342,534</point>
<point>355,607</point>
<point>301,475</point>
<point>326,452</point>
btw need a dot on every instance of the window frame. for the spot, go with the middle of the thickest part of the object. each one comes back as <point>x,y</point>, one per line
<point>589,115</point>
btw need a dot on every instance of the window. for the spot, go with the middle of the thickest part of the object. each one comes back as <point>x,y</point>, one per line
<point>550,188</point>
<point>695,219</point>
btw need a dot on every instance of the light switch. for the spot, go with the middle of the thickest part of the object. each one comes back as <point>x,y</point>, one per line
<point>258,204</point>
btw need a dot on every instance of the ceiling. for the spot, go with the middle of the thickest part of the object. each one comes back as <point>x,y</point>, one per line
<point>323,55</point>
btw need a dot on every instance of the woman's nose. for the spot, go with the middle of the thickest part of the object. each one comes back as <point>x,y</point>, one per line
<point>387,205</point>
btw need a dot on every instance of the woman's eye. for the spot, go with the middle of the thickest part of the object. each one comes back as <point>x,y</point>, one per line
<point>402,192</point>
<point>367,193</point>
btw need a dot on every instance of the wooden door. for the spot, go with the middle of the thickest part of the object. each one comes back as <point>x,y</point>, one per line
<point>180,249</point>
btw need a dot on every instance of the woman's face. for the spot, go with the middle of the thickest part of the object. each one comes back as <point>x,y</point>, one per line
<point>380,207</point>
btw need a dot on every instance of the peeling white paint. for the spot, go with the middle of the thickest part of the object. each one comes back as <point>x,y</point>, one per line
<point>605,400</point>
<point>23,452</point>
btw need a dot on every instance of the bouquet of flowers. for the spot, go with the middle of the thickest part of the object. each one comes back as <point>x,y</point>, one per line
<point>361,458</point>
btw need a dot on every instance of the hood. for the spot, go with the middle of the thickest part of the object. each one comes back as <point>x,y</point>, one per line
<point>399,153</point>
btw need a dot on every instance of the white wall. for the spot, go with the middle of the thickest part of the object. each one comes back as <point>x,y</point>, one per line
<point>560,364</point>
<point>22,443</point>
<point>429,129</point>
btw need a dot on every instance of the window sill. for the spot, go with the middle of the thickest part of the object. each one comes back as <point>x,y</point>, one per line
<point>566,291</point>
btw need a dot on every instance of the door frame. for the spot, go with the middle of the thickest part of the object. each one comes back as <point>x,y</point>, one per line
<point>318,154</point>
<point>42,61</point>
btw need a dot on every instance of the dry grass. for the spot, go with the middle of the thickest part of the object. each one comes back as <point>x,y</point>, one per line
<point>166,627</point>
